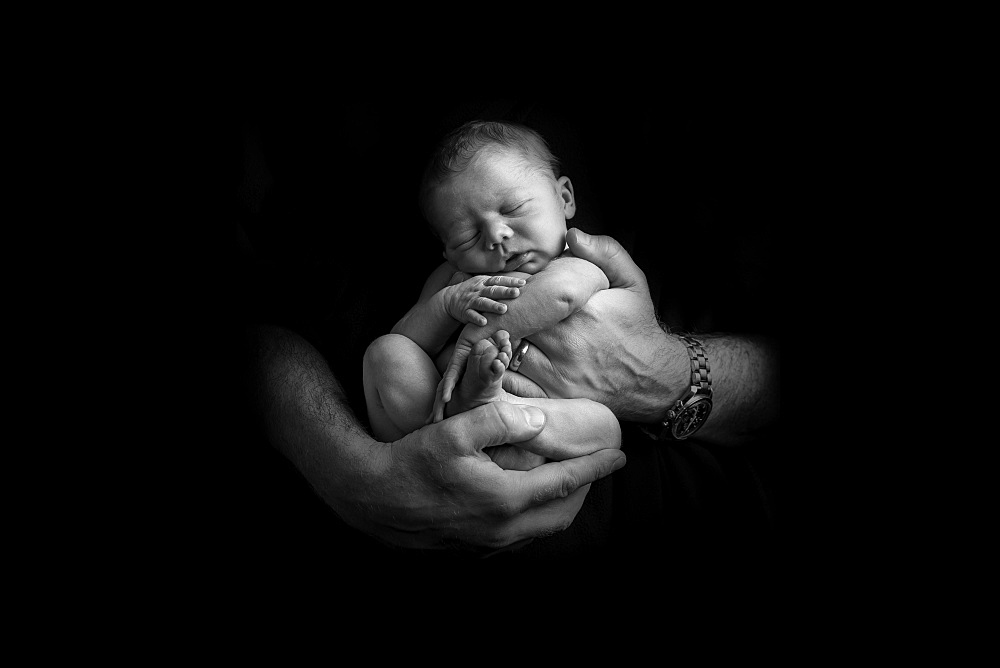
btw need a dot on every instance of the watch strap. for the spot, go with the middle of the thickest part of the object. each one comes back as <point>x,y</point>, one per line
<point>701,376</point>
<point>701,385</point>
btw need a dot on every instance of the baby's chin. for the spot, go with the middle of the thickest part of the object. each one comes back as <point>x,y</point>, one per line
<point>534,264</point>
<point>526,269</point>
<point>531,266</point>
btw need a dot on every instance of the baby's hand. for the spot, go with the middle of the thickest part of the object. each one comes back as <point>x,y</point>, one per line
<point>468,298</point>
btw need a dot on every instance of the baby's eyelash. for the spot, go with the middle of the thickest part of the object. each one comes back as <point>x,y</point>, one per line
<point>468,242</point>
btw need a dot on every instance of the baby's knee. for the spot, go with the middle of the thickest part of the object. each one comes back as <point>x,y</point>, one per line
<point>393,358</point>
<point>400,380</point>
<point>387,349</point>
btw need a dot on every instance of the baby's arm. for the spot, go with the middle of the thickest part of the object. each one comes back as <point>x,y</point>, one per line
<point>450,298</point>
<point>548,297</point>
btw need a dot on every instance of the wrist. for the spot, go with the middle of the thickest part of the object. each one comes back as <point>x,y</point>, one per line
<point>351,473</point>
<point>446,300</point>
<point>674,378</point>
<point>686,415</point>
<point>660,381</point>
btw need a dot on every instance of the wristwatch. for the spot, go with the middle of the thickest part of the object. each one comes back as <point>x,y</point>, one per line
<point>691,411</point>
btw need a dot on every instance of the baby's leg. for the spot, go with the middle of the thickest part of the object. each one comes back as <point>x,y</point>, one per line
<point>481,382</point>
<point>400,380</point>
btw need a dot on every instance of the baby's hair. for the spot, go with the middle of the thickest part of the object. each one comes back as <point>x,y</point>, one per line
<point>459,146</point>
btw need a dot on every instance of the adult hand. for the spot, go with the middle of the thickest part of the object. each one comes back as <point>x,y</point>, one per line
<point>549,297</point>
<point>437,488</point>
<point>573,428</point>
<point>612,351</point>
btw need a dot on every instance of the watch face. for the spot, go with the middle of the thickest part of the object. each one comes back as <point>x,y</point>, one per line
<point>691,418</point>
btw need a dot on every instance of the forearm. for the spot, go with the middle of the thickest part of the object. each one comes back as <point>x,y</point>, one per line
<point>434,488</point>
<point>305,414</point>
<point>547,298</point>
<point>745,385</point>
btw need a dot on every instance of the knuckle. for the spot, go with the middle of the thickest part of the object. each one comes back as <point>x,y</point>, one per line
<point>503,509</point>
<point>558,489</point>
<point>449,431</point>
<point>610,246</point>
<point>567,485</point>
<point>500,410</point>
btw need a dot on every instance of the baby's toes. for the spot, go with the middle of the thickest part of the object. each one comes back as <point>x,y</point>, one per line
<point>484,353</point>
<point>496,371</point>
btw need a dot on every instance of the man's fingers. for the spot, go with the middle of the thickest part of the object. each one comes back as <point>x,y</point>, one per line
<point>549,496</point>
<point>608,254</point>
<point>546,519</point>
<point>537,369</point>
<point>573,428</point>
<point>522,386</point>
<point>494,423</point>
<point>557,480</point>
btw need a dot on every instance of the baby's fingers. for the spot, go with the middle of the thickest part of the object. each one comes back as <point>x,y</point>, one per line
<point>474,317</point>
<point>499,292</point>
<point>509,281</point>
<point>488,305</point>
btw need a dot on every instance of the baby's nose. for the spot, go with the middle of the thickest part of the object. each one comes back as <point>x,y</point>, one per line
<point>497,232</point>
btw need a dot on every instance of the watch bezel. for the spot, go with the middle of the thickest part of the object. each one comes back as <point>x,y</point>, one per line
<point>688,429</point>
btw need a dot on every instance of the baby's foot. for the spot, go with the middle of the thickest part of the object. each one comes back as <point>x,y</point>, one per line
<point>483,377</point>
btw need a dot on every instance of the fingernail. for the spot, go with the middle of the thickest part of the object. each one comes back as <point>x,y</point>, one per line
<point>534,415</point>
<point>620,462</point>
<point>583,238</point>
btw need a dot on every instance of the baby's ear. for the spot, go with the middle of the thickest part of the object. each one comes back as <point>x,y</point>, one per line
<point>568,198</point>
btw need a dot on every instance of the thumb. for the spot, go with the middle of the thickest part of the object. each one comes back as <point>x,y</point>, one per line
<point>499,422</point>
<point>608,254</point>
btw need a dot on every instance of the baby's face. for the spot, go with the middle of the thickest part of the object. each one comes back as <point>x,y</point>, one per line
<point>501,214</point>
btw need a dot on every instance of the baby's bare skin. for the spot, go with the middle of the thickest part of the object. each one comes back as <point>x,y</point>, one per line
<point>482,383</point>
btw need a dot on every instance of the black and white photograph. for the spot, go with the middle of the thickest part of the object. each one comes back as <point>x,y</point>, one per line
<point>528,334</point>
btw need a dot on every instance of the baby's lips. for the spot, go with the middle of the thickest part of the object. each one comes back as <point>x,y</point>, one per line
<point>516,261</point>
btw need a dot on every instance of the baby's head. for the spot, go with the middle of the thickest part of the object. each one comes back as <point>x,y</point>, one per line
<point>493,194</point>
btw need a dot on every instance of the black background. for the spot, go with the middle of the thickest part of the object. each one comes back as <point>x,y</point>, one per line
<point>312,186</point>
